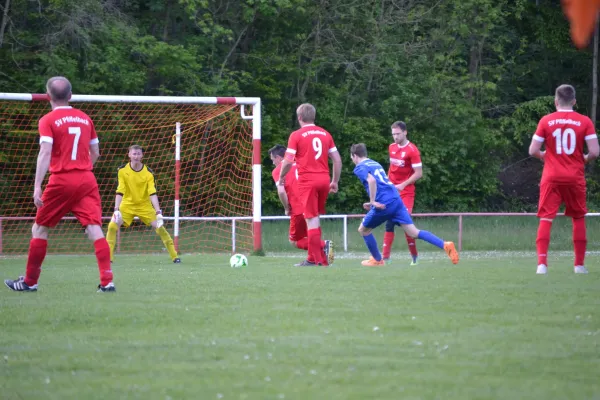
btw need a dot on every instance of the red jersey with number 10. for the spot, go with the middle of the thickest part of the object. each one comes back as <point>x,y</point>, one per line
<point>310,147</point>
<point>71,132</point>
<point>564,133</point>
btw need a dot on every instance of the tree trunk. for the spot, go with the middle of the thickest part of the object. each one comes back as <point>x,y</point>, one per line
<point>165,35</point>
<point>595,77</point>
<point>235,45</point>
<point>474,64</point>
<point>4,21</point>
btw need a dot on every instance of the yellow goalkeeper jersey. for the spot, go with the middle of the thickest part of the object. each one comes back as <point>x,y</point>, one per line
<point>136,187</point>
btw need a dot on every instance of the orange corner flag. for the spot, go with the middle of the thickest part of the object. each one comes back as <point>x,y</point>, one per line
<point>582,15</point>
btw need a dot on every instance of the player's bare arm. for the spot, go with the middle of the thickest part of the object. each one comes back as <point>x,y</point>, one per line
<point>593,149</point>
<point>155,203</point>
<point>284,199</point>
<point>535,149</point>
<point>337,171</point>
<point>373,193</point>
<point>118,201</point>
<point>418,174</point>
<point>43,163</point>
<point>117,217</point>
<point>286,165</point>
<point>94,152</point>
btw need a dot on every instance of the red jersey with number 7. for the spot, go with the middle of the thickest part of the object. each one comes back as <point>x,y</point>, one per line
<point>310,147</point>
<point>564,134</point>
<point>71,132</point>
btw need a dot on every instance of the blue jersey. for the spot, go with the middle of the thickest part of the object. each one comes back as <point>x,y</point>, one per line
<point>386,191</point>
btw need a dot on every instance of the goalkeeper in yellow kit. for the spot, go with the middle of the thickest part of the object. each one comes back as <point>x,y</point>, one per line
<point>136,197</point>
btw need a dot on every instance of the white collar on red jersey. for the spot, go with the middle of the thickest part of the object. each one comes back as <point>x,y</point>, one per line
<point>308,125</point>
<point>564,110</point>
<point>62,107</point>
<point>401,147</point>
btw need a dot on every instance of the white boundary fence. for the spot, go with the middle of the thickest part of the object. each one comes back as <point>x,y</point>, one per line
<point>343,217</point>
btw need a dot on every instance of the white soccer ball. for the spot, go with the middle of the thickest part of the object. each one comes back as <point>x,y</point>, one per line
<point>238,261</point>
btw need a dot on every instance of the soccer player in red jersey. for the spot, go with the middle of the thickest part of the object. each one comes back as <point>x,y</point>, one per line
<point>311,146</point>
<point>288,195</point>
<point>69,148</point>
<point>563,181</point>
<point>405,169</point>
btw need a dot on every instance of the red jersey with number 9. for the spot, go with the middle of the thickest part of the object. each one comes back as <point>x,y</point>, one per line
<point>310,147</point>
<point>71,132</point>
<point>564,134</point>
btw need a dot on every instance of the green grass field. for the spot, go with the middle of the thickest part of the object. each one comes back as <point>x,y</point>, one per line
<point>488,328</point>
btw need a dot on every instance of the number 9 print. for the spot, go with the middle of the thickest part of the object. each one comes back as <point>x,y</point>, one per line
<point>317,147</point>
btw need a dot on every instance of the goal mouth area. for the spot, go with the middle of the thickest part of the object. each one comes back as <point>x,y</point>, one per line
<point>203,152</point>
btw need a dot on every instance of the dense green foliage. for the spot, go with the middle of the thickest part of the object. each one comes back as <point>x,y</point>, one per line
<point>471,78</point>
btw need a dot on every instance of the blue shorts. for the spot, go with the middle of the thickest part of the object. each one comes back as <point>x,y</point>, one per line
<point>395,212</point>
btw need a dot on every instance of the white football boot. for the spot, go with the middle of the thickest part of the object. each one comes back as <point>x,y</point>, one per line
<point>542,269</point>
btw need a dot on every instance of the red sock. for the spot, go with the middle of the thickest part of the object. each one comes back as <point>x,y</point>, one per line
<point>302,243</point>
<point>35,258</point>
<point>388,239</point>
<point>543,241</point>
<point>103,257</point>
<point>412,247</point>
<point>311,250</point>
<point>321,249</point>
<point>579,240</point>
<point>314,246</point>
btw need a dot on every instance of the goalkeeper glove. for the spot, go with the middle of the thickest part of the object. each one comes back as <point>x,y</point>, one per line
<point>159,219</point>
<point>117,218</point>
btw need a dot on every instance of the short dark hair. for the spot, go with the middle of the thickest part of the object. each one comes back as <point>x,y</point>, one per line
<point>136,147</point>
<point>399,124</point>
<point>277,150</point>
<point>565,95</point>
<point>359,150</point>
<point>59,88</point>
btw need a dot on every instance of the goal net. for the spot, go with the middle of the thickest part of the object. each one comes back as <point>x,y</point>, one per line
<point>207,195</point>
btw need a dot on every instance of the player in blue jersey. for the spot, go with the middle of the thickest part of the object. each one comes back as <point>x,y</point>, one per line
<point>385,205</point>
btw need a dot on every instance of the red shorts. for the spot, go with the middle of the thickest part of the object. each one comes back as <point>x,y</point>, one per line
<point>409,201</point>
<point>552,195</point>
<point>298,229</point>
<point>313,192</point>
<point>74,191</point>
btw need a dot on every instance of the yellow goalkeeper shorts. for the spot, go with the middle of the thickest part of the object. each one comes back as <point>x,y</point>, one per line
<point>145,213</point>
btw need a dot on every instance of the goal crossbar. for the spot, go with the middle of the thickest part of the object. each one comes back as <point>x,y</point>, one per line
<point>81,98</point>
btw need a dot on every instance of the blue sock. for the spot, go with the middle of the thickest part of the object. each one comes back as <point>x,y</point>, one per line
<point>372,246</point>
<point>431,238</point>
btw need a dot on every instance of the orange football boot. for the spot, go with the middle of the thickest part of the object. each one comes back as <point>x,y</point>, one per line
<point>451,251</point>
<point>371,262</point>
